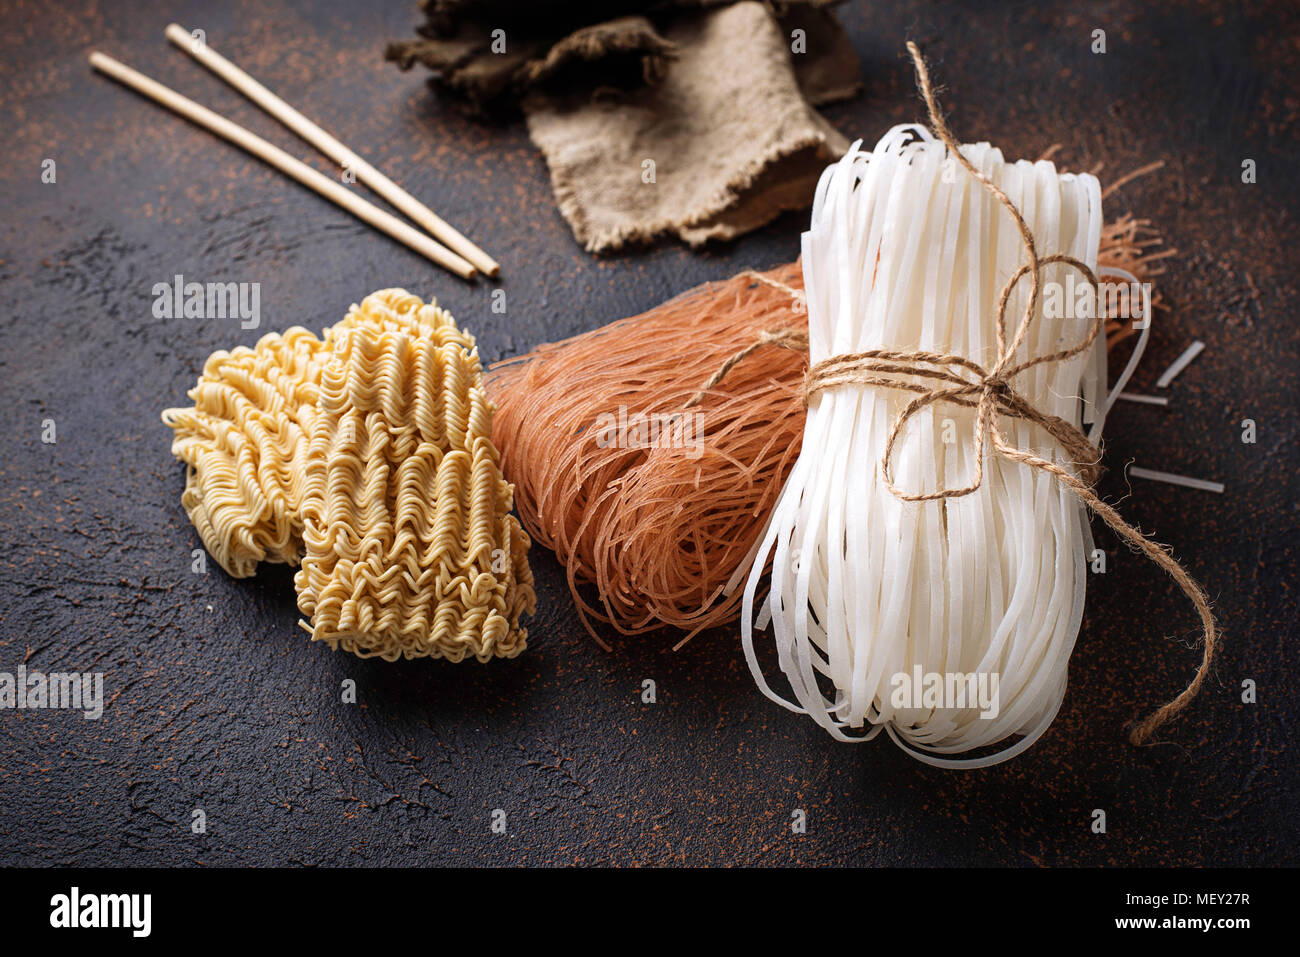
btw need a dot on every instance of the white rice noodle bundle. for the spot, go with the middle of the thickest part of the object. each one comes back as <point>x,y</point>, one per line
<point>908,251</point>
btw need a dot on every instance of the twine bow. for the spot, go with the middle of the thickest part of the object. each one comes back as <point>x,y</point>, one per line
<point>990,393</point>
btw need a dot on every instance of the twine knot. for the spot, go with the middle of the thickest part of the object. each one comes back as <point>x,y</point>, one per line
<point>961,381</point>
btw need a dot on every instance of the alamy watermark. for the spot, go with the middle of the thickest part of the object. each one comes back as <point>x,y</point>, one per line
<point>946,690</point>
<point>213,300</point>
<point>75,909</point>
<point>651,430</point>
<point>1077,299</point>
<point>69,691</point>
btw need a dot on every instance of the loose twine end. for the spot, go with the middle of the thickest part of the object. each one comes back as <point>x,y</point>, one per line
<point>961,381</point>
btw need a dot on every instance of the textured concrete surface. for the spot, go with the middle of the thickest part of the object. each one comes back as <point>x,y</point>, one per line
<point>217,701</point>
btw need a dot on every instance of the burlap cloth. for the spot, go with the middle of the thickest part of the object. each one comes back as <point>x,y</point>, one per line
<point>709,92</point>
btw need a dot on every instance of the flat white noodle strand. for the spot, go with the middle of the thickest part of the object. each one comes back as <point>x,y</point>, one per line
<point>864,587</point>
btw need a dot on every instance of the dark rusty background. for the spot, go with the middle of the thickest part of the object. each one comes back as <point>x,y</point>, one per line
<point>217,699</point>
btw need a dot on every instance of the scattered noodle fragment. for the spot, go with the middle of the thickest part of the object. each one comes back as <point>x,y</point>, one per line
<point>1179,364</point>
<point>1130,244</point>
<point>1172,479</point>
<point>1144,399</point>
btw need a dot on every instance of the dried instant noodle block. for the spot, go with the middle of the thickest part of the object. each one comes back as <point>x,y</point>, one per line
<point>244,442</point>
<point>246,434</point>
<point>396,310</point>
<point>410,548</point>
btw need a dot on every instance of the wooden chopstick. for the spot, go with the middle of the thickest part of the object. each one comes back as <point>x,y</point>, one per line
<point>273,155</point>
<point>335,150</point>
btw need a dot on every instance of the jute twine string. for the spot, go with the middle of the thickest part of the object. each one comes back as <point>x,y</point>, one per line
<point>990,393</point>
<point>793,339</point>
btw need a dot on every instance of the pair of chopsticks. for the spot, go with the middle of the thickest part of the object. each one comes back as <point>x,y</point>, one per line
<point>448,248</point>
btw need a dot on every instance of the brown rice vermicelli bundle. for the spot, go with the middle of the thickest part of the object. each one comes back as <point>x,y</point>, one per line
<point>661,513</point>
<point>659,504</point>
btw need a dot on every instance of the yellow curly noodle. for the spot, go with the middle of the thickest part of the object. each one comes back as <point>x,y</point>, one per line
<point>244,437</point>
<point>411,550</point>
<point>244,440</point>
<point>396,310</point>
